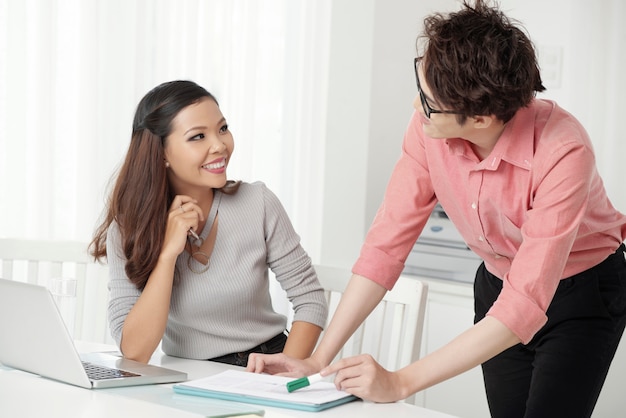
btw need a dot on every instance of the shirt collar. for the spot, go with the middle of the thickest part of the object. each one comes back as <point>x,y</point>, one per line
<point>513,146</point>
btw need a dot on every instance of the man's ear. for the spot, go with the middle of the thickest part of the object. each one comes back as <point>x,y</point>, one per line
<point>483,121</point>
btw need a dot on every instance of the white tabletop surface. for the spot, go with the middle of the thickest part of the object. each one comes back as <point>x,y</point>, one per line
<point>26,395</point>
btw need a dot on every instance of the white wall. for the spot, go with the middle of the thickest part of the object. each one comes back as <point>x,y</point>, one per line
<point>371,90</point>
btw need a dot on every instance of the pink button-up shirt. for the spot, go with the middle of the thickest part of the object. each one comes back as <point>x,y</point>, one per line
<point>535,210</point>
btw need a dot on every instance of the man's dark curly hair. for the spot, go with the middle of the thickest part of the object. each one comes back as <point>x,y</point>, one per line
<point>477,61</point>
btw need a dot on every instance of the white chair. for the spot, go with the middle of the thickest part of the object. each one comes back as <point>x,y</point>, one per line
<point>78,283</point>
<point>392,333</point>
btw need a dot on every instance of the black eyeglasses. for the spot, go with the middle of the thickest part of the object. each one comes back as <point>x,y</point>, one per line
<point>427,109</point>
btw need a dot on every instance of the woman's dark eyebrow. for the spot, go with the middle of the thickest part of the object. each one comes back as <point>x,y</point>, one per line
<point>194,128</point>
<point>219,122</point>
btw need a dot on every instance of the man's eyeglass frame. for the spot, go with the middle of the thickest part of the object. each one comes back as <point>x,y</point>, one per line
<point>427,109</point>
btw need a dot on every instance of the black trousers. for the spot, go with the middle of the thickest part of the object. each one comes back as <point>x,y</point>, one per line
<point>271,346</point>
<point>560,372</point>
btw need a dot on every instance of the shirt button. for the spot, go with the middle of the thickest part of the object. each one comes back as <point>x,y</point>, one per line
<point>480,238</point>
<point>473,205</point>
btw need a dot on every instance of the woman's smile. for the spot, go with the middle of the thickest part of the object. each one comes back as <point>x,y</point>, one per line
<point>217,166</point>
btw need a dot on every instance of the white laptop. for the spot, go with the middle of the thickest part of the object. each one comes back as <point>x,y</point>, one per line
<point>33,338</point>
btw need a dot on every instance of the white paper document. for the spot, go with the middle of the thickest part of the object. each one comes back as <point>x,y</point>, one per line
<point>265,389</point>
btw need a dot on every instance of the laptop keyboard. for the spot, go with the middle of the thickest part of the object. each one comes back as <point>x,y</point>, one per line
<point>96,372</point>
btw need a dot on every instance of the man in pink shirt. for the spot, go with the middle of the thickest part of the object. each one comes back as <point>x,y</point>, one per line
<point>517,176</point>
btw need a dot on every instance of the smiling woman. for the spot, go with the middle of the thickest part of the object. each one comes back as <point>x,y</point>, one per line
<point>189,252</point>
<point>76,67</point>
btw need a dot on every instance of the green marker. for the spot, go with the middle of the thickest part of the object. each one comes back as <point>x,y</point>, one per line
<point>303,382</point>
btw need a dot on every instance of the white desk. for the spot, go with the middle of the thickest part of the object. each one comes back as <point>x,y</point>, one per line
<point>26,395</point>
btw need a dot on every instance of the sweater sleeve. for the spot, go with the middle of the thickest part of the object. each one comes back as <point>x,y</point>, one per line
<point>292,265</point>
<point>122,292</point>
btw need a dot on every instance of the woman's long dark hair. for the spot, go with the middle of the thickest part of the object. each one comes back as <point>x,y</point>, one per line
<point>141,197</point>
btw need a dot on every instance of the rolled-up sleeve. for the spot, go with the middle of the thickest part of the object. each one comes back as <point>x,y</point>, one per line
<point>409,199</point>
<point>563,180</point>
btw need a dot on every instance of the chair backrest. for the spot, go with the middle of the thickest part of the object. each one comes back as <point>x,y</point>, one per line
<point>392,333</point>
<point>78,283</point>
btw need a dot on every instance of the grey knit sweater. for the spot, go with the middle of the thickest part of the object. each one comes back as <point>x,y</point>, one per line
<point>228,308</point>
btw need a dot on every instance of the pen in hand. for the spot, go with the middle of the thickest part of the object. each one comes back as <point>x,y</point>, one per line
<point>197,240</point>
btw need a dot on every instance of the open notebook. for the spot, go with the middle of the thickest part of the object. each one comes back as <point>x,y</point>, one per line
<point>35,339</point>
